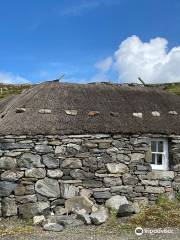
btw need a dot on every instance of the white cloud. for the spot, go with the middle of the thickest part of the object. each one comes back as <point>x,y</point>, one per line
<point>85,5</point>
<point>9,78</point>
<point>149,60</point>
<point>105,64</point>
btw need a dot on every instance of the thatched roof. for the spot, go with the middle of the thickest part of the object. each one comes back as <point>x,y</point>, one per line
<point>98,108</point>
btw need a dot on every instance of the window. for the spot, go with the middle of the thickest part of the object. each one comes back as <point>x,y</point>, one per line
<point>159,149</point>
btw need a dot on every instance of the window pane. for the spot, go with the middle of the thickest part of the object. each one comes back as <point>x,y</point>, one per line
<point>159,159</point>
<point>160,146</point>
<point>153,158</point>
<point>153,146</point>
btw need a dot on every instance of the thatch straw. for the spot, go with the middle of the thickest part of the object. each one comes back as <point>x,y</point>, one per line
<point>115,105</point>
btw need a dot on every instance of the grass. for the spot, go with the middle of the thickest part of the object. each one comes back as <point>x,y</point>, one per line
<point>10,89</point>
<point>172,87</point>
<point>15,230</point>
<point>164,213</point>
<point>114,225</point>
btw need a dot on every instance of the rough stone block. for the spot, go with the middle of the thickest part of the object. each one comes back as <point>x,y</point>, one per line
<point>7,163</point>
<point>150,189</point>
<point>48,187</point>
<point>36,173</point>
<point>161,175</point>
<point>117,168</point>
<point>6,188</point>
<point>55,173</point>
<point>68,191</point>
<point>9,207</point>
<point>71,163</point>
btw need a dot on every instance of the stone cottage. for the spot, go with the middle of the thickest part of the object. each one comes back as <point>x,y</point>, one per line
<point>58,140</point>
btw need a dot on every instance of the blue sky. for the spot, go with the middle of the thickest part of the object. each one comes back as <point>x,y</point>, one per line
<point>89,40</point>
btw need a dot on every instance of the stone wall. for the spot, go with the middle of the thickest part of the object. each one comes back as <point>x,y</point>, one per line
<point>38,174</point>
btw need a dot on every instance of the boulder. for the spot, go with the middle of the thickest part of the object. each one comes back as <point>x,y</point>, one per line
<point>125,210</point>
<point>12,145</point>
<point>123,157</point>
<point>60,150</point>
<point>12,154</point>
<point>112,151</point>
<point>0,209</point>
<point>137,157</point>
<point>7,163</point>
<point>129,179</point>
<point>29,210</point>
<point>68,191</point>
<point>82,215</point>
<point>102,195</point>
<point>150,182</point>
<point>29,160</point>
<point>26,199</point>
<point>122,189</point>
<point>64,219</point>
<point>74,146</point>
<point>176,168</point>
<point>43,148</point>
<point>92,183</point>
<point>50,161</point>
<point>54,227</point>
<point>71,163</point>
<point>160,175</point>
<point>116,201</point>
<point>24,188</point>
<point>38,220</point>
<point>150,189</point>
<point>117,168</point>
<point>11,176</point>
<point>60,210</point>
<point>37,173</point>
<point>48,187</point>
<point>112,181</point>
<point>176,179</point>
<point>9,207</point>
<point>58,202</point>
<point>54,173</point>
<point>78,203</point>
<point>81,174</point>
<point>6,188</point>
<point>100,216</point>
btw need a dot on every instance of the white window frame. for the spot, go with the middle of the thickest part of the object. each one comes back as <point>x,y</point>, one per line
<point>165,155</point>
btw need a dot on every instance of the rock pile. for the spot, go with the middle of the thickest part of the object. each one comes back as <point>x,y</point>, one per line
<point>80,210</point>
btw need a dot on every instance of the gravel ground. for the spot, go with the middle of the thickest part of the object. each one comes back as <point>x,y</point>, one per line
<point>19,230</point>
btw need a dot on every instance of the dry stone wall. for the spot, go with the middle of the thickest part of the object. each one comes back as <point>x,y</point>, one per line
<point>39,173</point>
